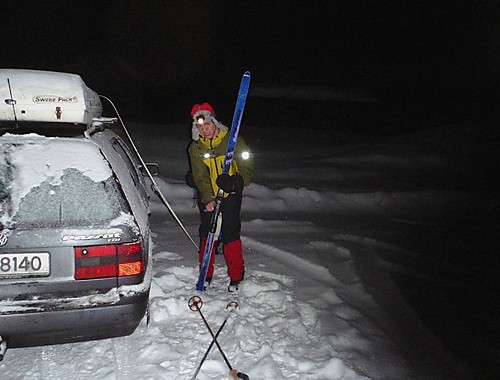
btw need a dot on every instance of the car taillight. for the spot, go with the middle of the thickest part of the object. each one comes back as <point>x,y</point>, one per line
<point>113,260</point>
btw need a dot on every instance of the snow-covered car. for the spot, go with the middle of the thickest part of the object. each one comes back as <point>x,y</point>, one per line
<point>75,249</point>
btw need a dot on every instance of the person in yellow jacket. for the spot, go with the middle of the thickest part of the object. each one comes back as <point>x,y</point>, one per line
<point>206,157</point>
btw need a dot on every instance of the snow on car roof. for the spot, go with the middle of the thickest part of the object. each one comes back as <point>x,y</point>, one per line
<point>48,96</point>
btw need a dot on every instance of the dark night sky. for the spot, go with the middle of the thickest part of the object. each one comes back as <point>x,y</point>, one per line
<point>156,58</point>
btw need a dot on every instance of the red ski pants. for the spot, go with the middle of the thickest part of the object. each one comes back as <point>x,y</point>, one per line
<point>233,253</point>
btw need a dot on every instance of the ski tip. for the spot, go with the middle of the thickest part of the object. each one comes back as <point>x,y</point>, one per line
<point>247,74</point>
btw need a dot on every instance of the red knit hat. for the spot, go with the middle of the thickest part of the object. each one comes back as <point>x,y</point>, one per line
<point>206,111</point>
<point>202,107</point>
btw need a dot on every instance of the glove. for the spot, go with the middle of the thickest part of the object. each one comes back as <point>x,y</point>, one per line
<point>229,183</point>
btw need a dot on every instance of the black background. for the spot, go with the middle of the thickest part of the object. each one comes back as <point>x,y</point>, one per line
<point>425,62</point>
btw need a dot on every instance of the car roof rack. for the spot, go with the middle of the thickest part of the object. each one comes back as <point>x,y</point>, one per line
<point>99,124</point>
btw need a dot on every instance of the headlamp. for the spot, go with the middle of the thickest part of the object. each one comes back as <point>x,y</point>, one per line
<point>200,120</point>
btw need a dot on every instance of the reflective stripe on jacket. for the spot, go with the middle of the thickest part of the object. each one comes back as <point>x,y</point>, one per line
<point>207,159</point>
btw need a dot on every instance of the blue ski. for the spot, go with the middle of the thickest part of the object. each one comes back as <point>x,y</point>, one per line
<point>228,160</point>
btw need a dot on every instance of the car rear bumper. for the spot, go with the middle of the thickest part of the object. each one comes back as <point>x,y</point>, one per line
<point>72,325</point>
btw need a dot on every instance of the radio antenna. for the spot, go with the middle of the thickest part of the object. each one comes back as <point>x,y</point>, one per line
<point>11,101</point>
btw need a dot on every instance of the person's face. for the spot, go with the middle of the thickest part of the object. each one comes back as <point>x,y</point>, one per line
<point>207,129</point>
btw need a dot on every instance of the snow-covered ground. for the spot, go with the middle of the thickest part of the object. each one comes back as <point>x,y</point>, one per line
<point>337,232</point>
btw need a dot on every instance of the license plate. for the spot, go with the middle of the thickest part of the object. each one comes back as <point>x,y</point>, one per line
<point>24,264</point>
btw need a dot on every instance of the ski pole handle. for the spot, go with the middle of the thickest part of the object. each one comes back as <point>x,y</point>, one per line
<point>238,375</point>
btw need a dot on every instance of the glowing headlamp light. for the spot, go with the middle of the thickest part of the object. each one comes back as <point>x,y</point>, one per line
<point>200,120</point>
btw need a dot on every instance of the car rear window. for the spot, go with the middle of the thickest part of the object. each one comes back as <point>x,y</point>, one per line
<point>57,182</point>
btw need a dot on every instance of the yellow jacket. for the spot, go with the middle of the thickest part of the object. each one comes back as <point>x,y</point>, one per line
<point>207,159</point>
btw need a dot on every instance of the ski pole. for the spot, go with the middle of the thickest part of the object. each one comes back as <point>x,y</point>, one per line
<point>233,305</point>
<point>195,303</point>
<point>156,189</point>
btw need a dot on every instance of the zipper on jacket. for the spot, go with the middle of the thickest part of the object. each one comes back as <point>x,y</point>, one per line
<point>214,157</point>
